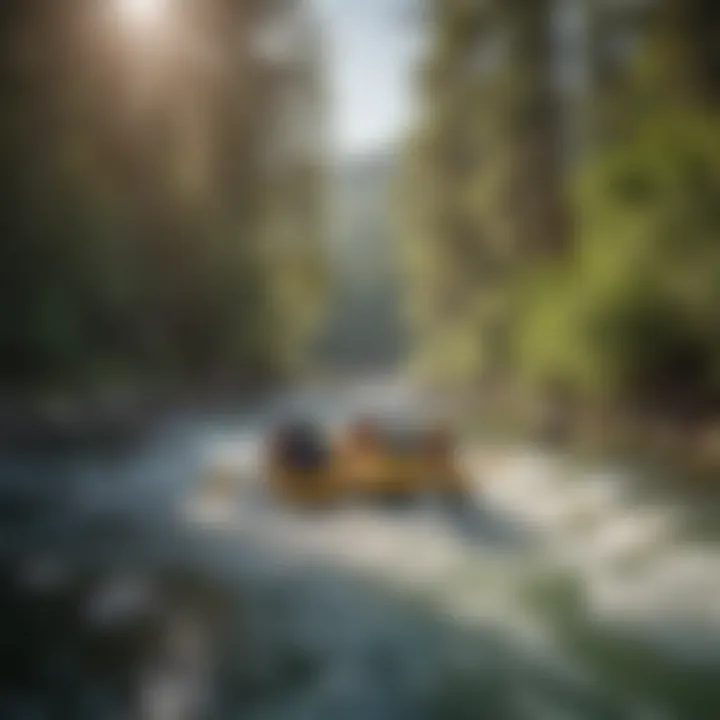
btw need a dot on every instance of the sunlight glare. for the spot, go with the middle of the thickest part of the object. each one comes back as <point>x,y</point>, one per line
<point>143,12</point>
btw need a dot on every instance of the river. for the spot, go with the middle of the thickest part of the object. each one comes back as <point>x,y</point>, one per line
<point>569,591</point>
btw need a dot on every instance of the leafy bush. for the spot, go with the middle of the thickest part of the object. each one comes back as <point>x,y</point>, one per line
<point>635,308</point>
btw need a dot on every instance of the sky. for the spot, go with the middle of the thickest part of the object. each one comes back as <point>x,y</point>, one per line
<point>370,49</point>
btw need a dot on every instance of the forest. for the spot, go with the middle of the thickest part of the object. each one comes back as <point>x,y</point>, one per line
<point>160,224</point>
<point>558,207</point>
<point>164,202</point>
<point>360,359</point>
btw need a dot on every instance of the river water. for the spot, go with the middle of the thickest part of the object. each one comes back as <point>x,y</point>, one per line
<point>565,592</point>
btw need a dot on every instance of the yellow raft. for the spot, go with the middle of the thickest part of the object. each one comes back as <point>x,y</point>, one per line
<point>367,463</point>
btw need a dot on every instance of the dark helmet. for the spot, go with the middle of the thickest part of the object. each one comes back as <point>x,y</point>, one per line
<point>299,445</point>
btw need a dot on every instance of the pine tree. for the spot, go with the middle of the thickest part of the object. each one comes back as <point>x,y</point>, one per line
<point>488,163</point>
<point>136,194</point>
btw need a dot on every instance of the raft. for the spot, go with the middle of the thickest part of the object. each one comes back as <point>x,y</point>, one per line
<point>368,462</point>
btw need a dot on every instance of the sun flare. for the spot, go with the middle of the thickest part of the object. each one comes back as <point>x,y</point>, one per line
<point>143,12</point>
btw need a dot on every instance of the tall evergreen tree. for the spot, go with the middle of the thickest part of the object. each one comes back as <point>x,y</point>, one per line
<point>488,160</point>
<point>135,194</point>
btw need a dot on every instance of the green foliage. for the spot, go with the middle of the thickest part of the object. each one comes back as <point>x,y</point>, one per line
<point>613,294</point>
<point>633,311</point>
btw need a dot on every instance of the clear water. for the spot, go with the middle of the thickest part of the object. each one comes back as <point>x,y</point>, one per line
<point>564,593</point>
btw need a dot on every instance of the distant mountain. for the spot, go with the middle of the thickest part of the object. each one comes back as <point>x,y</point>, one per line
<point>364,328</point>
<point>361,205</point>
